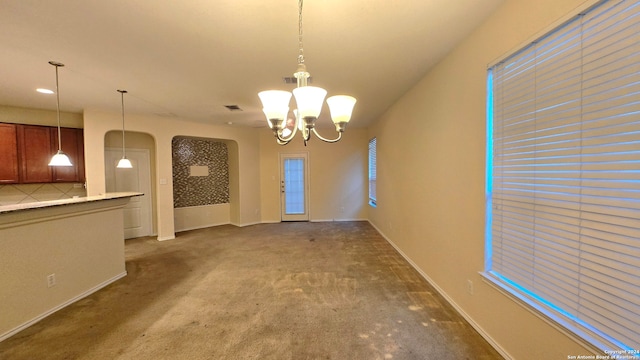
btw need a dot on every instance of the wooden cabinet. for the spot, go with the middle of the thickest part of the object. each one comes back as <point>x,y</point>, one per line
<point>9,171</point>
<point>35,152</point>
<point>73,146</point>
<point>25,151</point>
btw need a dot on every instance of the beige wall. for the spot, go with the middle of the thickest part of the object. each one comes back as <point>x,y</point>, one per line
<point>245,172</point>
<point>431,178</point>
<point>17,115</point>
<point>338,184</point>
<point>203,216</point>
<point>77,243</point>
<point>337,172</point>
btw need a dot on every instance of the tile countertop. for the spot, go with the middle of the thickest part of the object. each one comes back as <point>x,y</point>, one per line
<point>78,200</point>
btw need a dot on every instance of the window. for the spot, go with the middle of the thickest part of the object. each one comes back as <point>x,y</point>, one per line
<point>372,172</point>
<point>563,167</point>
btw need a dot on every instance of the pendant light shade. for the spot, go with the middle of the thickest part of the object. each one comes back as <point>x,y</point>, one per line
<point>60,158</point>
<point>124,163</point>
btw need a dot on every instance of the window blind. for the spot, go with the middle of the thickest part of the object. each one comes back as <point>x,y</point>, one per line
<point>563,192</point>
<point>372,171</point>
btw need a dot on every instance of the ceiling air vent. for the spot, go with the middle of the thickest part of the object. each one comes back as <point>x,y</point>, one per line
<point>233,107</point>
<point>293,80</point>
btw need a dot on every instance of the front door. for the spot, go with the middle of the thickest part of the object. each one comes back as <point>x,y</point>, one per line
<point>294,187</point>
<point>137,214</point>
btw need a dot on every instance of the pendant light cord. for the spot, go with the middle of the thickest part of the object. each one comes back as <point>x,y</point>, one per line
<point>122,92</point>
<point>58,105</point>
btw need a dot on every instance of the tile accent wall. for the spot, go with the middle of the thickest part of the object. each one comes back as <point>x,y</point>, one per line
<point>191,190</point>
<point>27,193</point>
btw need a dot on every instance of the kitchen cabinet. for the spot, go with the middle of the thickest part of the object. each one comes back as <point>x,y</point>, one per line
<point>34,143</point>
<point>25,152</point>
<point>73,146</point>
<point>9,171</point>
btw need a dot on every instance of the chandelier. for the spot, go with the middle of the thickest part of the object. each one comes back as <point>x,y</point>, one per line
<point>309,100</point>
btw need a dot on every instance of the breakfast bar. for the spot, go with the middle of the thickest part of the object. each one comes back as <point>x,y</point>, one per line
<point>53,253</point>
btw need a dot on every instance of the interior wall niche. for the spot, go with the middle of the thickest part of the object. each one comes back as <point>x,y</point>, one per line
<point>200,172</point>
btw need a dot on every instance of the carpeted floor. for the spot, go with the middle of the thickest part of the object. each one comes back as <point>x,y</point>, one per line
<point>271,291</point>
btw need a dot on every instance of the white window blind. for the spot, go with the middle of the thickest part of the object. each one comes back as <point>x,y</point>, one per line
<point>372,171</point>
<point>563,223</point>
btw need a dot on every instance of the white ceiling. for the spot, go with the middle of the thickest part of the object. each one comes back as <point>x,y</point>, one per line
<point>190,58</point>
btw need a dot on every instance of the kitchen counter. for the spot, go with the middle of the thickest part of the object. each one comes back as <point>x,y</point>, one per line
<point>62,202</point>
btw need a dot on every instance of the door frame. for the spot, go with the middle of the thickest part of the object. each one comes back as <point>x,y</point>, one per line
<point>295,217</point>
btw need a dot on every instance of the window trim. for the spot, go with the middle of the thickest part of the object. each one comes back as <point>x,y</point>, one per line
<point>373,144</point>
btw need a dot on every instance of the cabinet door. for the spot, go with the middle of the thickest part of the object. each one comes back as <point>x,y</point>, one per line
<point>35,153</point>
<point>9,154</point>
<point>73,146</point>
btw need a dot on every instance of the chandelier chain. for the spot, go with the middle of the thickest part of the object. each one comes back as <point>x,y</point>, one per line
<point>301,51</point>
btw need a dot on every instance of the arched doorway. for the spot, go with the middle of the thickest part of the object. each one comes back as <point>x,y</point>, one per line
<point>140,213</point>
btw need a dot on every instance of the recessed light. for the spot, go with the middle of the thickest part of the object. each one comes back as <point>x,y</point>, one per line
<point>44,91</point>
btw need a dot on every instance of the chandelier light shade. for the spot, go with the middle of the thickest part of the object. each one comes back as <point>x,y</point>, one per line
<point>276,107</point>
<point>124,163</point>
<point>309,101</point>
<point>341,107</point>
<point>60,158</point>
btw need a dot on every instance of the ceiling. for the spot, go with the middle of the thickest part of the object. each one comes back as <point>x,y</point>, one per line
<point>188,59</point>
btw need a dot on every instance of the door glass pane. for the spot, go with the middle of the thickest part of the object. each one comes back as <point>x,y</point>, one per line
<point>294,186</point>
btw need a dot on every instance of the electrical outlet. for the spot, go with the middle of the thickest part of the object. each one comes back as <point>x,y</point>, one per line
<point>470,287</point>
<point>51,280</point>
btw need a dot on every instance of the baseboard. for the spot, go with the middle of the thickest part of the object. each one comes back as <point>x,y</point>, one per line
<point>336,220</point>
<point>466,316</point>
<point>19,328</point>
<point>201,227</point>
<point>247,224</point>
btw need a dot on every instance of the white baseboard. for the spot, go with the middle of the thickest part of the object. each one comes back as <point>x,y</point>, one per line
<point>19,328</point>
<point>466,316</point>
<point>201,227</point>
<point>247,224</point>
<point>336,220</point>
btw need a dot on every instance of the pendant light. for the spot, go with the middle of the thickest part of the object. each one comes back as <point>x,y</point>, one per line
<point>124,163</point>
<point>60,158</point>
